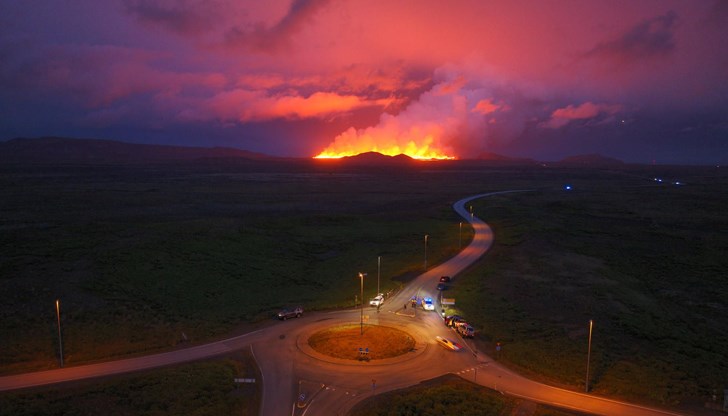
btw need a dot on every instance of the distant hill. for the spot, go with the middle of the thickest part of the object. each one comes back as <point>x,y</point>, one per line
<point>376,158</point>
<point>494,157</point>
<point>591,160</point>
<point>67,150</point>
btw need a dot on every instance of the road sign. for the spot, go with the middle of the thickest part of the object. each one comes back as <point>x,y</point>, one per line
<point>244,380</point>
<point>448,301</point>
<point>301,403</point>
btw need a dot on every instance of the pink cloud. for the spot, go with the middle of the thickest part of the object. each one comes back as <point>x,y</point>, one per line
<point>650,38</point>
<point>184,17</point>
<point>485,106</point>
<point>383,82</point>
<point>97,76</point>
<point>274,38</point>
<point>241,105</point>
<point>320,104</point>
<point>588,110</point>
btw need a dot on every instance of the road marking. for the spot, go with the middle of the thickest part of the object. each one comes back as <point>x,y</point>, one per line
<point>262,379</point>
<point>308,407</point>
<point>467,370</point>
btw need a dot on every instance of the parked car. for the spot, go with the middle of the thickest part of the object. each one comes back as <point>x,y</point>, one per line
<point>465,331</point>
<point>427,304</point>
<point>445,279</point>
<point>290,313</point>
<point>452,345</point>
<point>451,320</point>
<point>377,301</point>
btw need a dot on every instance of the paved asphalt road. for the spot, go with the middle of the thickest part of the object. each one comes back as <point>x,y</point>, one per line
<point>331,387</point>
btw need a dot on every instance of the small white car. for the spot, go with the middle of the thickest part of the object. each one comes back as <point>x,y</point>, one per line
<point>427,304</point>
<point>377,301</point>
<point>448,343</point>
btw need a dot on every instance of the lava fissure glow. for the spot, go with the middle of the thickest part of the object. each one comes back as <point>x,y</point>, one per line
<point>429,155</point>
<point>352,143</point>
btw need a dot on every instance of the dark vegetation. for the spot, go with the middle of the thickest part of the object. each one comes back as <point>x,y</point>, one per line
<point>442,396</point>
<point>144,258</point>
<point>202,388</point>
<point>449,395</point>
<point>644,260</point>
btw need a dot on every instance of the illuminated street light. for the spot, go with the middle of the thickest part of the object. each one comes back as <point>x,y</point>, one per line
<point>588,355</point>
<point>426,251</point>
<point>361,321</point>
<point>60,340</point>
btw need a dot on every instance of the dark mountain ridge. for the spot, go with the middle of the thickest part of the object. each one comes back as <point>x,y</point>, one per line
<point>66,150</point>
<point>54,150</point>
<point>593,159</point>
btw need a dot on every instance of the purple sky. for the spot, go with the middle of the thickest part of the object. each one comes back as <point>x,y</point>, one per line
<point>639,80</point>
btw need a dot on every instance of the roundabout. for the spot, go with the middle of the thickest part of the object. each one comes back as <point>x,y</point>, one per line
<point>369,342</point>
<point>390,341</point>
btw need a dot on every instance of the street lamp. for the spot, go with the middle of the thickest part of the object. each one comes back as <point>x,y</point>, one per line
<point>379,267</point>
<point>361,321</point>
<point>60,340</point>
<point>588,354</point>
<point>460,235</point>
<point>426,251</point>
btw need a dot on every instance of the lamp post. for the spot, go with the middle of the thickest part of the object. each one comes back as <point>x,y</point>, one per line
<point>361,320</point>
<point>460,235</point>
<point>60,340</point>
<point>426,251</point>
<point>588,355</point>
<point>379,267</point>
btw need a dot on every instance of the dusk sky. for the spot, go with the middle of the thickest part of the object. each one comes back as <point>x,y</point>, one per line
<point>638,80</point>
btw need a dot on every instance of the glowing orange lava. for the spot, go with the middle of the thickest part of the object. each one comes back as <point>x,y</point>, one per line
<point>422,151</point>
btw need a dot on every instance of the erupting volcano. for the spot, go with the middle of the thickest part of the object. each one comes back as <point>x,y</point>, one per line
<point>411,151</point>
<point>417,145</point>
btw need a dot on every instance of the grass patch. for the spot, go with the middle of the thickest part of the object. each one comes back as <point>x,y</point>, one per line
<point>142,260</point>
<point>447,395</point>
<point>203,388</point>
<point>344,341</point>
<point>628,256</point>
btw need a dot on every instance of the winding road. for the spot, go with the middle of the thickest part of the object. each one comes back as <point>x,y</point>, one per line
<point>327,386</point>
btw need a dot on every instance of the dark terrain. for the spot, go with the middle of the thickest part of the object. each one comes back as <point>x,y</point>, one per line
<point>153,252</point>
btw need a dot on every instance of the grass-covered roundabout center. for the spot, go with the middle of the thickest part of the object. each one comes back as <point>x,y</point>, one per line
<point>375,341</point>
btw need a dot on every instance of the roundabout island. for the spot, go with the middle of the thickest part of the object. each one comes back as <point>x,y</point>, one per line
<point>367,342</point>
